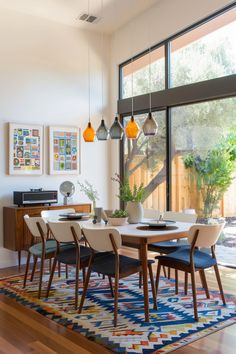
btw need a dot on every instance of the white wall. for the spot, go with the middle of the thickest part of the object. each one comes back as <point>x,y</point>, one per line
<point>43,80</point>
<point>161,21</point>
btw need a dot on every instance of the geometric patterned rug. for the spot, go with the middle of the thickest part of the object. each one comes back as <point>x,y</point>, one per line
<point>171,326</point>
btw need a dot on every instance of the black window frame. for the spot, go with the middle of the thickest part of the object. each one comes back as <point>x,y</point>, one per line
<point>208,90</point>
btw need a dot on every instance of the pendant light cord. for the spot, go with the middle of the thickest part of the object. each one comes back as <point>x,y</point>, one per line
<point>89,68</point>
<point>132,87</point>
<point>102,65</point>
<point>149,57</point>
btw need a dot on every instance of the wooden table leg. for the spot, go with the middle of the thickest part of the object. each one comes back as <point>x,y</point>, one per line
<point>143,254</point>
<point>19,259</point>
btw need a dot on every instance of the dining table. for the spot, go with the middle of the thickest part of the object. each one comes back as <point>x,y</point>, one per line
<point>140,236</point>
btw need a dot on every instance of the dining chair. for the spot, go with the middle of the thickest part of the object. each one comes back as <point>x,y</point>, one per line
<point>166,247</point>
<point>192,259</point>
<point>55,214</point>
<point>66,233</point>
<point>45,249</point>
<point>108,261</point>
<point>151,214</point>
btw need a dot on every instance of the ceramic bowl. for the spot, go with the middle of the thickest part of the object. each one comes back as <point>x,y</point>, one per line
<point>117,221</point>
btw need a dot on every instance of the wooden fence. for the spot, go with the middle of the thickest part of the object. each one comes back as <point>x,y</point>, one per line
<point>184,192</point>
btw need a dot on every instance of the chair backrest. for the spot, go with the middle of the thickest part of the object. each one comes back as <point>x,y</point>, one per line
<point>62,230</point>
<point>182,217</point>
<point>56,213</point>
<point>99,238</point>
<point>31,223</point>
<point>151,214</point>
<point>207,234</point>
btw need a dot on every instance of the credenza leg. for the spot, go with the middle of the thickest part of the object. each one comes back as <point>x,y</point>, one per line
<point>19,259</point>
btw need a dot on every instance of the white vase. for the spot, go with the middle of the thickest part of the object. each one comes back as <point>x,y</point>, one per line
<point>135,212</point>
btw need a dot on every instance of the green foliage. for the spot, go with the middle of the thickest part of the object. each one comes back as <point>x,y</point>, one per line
<point>214,173</point>
<point>128,194</point>
<point>89,191</point>
<point>119,214</point>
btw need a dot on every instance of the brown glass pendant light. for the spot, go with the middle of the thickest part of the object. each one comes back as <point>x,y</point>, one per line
<point>132,129</point>
<point>89,133</point>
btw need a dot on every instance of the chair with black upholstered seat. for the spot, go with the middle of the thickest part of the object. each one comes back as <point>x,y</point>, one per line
<point>191,259</point>
<point>78,256</point>
<point>107,261</point>
<point>166,247</point>
<point>45,249</point>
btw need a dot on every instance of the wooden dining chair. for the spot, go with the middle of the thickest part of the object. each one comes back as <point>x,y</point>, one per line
<point>167,247</point>
<point>192,259</point>
<point>55,214</point>
<point>40,247</point>
<point>78,255</point>
<point>107,261</point>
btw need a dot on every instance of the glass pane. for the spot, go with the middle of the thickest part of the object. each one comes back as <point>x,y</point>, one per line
<point>141,71</point>
<point>206,52</point>
<point>199,129</point>
<point>145,162</point>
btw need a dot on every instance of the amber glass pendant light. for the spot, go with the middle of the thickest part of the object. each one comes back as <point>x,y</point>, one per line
<point>150,126</point>
<point>89,133</point>
<point>132,129</point>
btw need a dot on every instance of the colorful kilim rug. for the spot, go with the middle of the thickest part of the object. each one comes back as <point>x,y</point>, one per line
<point>171,326</point>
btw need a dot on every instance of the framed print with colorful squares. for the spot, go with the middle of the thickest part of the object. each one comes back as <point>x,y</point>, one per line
<point>64,145</point>
<point>25,149</point>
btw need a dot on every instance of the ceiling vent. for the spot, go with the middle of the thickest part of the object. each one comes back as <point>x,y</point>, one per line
<point>88,18</point>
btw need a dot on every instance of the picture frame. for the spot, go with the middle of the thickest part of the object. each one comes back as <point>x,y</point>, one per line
<point>64,150</point>
<point>25,149</point>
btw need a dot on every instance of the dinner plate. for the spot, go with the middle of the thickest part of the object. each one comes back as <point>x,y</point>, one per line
<point>74,216</point>
<point>159,223</point>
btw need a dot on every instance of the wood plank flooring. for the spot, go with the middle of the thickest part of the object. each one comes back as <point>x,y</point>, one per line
<point>24,331</point>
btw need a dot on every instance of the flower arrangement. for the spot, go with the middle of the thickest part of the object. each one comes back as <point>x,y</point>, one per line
<point>89,191</point>
<point>119,214</point>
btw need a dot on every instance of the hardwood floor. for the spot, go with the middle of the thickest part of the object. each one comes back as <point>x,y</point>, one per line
<point>25,331</point>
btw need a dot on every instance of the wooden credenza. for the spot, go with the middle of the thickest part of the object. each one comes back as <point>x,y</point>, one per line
<point>15,233</point>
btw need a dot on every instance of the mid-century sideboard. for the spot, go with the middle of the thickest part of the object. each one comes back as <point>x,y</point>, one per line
<point>16,235</point>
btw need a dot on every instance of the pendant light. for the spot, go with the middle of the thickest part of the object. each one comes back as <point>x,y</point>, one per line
<point>89,133</point>
<point>102,132</point>
<point>132,128</point>
<point>150,126</point>
<point>116,130</point>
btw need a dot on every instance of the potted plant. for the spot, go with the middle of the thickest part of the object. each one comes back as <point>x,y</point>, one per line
<point>118,218</point>
<point>90,192</point>
<point>213,174</point>
<point>133,197</point>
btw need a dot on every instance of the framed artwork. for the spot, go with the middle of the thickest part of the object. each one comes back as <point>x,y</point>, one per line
<point>25,149</point>
<point>64,145</point>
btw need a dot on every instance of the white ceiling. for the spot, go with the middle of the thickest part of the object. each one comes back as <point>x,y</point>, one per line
<point>115,12</point>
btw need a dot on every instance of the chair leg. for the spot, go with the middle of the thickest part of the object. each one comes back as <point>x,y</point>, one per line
<point>33,269</point>
<point>41,276</point>
<point>168,272</point>
<point>153,287</point>
<point>116,299</point>
<point>194,294</point>
<point>83,275</point>
<point>204,282</point>
<point>176,282</point>
<point>186,283</point>
<point>66,271</point>
<point>111,286</point>
<point>85,289</point>
<point>76,284</point>
<point>50,264</point>
<point>51,276</point>
<point>158,276</point>
<point>140,280</point>
<point>26,269</point>
<point>164,271</point>
<point>217,273</point>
